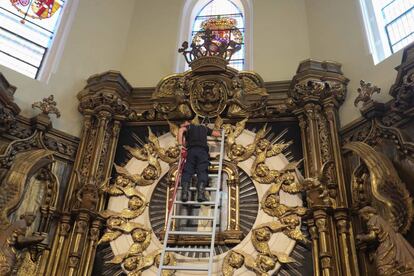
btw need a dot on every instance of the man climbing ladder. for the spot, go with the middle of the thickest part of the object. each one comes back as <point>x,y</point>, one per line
<point>194,139</point>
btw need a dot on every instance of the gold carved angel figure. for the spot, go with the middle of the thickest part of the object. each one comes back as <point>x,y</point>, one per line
<point>115,227</point>
<point>265,145</point>
<point>292,222</point>
<point>260,171</point>
<point>271,204</point>
<point>13,238</point>
<point>136,206</point>
<point>393,255</point>
<point>261,265</point>
<point>317,188</point>
<point>237,152</point>
<point>136,200</point>
<point>264,263</point>
<point>141,237</point>
<point>262,234</point>
<point>169,155</point>
<point>233,261</point>
<point>136,265</point>
<point>147,177</point>
<point>141,153</point>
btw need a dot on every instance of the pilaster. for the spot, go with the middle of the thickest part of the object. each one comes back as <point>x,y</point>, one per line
<point>318,89</point>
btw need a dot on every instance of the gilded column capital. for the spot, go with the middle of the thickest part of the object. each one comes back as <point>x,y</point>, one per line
<point>317,81</point>
<point>105,93</point>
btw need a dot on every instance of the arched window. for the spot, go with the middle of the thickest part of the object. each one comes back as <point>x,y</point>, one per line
<point>196,12</point>
<point>32,34</point>
<point>389,25</point>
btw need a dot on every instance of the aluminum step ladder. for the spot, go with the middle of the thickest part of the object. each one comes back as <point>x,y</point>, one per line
<point>191,267</point>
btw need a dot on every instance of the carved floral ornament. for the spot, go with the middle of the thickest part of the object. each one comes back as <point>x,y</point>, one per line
<point>134,190</point>
<point>103,100</point>
<point>320,89</point>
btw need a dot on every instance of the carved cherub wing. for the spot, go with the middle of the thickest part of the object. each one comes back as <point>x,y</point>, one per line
<point>138,153</point>
<point>124,213</point>
<point>261,133</point>
<point>118,259</point>
<point>137,178</point>
<point>240,126</point>
<point>292,166</point>
<point>283,257</point>
<point>324,172</point>
<point>296,235</point>
<point>389,194</point>
<point>110,236</point>
<point>131,191</point>
<point>122,171</point>
<point>153,161</point>
<point>129,226</point>
<point>112,190</point>
<point>218,122</point>
<point>153,138</point>
<point>277,149</point>
<point>147,261</point>
<point>250,263</point>
<point>274,189</point>
<point>173,128</point>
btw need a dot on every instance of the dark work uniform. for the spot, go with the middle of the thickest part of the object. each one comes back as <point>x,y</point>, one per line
<point>197,154</point>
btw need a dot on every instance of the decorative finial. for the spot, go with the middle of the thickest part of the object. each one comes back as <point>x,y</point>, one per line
<point>218,37</point>
<point>365,92</point>
<point>47,106</point>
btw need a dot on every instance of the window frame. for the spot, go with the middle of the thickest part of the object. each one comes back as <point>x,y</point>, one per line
<point>51,58</point>
<point>376,32</point>
<point>192,8</point>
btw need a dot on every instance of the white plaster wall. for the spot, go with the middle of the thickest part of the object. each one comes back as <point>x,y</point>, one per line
<point>280,39</point>
<point>140,38</point>
<point>96,43</point>
<point>337,32</point>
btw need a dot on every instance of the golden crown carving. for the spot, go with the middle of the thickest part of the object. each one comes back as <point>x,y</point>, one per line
<point>218,39</point>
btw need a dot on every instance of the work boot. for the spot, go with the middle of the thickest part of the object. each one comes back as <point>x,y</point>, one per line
<point>184,192</point>
<point>201,192</point>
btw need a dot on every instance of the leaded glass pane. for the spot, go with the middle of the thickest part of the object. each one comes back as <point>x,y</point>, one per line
<point>27,29</point>
<point>218,9</point>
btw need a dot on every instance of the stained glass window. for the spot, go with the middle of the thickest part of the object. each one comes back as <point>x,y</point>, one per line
<point>217,9</point>
<point>27,28</point>
<point>390,25</point>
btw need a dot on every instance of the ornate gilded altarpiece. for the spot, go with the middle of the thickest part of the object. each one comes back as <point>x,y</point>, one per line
<point>300,195</point>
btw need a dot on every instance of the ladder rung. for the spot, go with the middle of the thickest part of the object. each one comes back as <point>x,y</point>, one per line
<point>214,162</point>
<point>183,249</point>
<point>177,267</point>
<point>195,189</point>
<point>196,233</point>
<point>213,174</point>
<point>195,202</point>
<point>192,217</point>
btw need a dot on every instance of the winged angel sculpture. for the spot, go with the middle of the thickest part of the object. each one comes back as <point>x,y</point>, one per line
<point>390,214</point>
